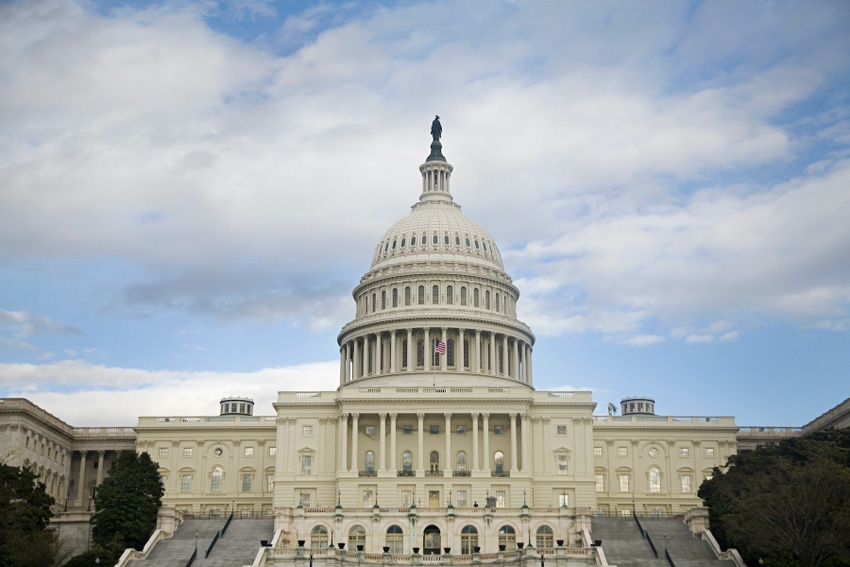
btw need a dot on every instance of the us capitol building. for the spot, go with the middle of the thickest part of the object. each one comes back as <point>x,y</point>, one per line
<point>435,439</point>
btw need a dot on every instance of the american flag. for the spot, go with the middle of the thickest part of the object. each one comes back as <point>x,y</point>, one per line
<point>440,348</point>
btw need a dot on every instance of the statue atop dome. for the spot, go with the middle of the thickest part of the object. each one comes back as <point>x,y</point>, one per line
<point>436,128</point>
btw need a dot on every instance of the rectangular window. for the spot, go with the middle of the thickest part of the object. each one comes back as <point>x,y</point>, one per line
<point>185,483</point>
<point>563,500</point>
<point>305,500</point>
<point>272,451</point>
<point>269,482</point>
<point>622,451</point>
<point>686,483</point>
<point>497,430</point>
<point>562,464</point>
<point>462,501</point>
<point>407,429</point>
<point>461,430</point>
<point>500,499</point>
<point>600,483</point>
<point>246,482</point>
<point>306,464</point>
<point>561,430</point>
<point>187,451</point>
<point>624,483</point>
<point>249,451</point>
<point>434,429</point>
<point>597,451</point>
<point>368,498</point>
<point>163,452</point>
<point>370,430</point>
<point>684,452</point>
<point>306,430</point>
<point>406,498</point>
<point>709,451</point>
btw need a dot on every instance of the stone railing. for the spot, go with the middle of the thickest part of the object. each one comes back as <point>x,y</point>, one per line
<point>757,431</point>
<point>192,421</point>
<point>101,432</point>
<point>723,421</point>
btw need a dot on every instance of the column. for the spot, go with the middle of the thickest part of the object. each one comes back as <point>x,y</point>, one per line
<point>379,353</point>
<point>100,467</point>
<point>382,452</point>
<point>420,463</point>
<point>392,351</point>
<point>475,441</point>
<point>493,369</point>
<point>515,364</point>
<point>486,424</point>
<point>342,350</point>
<point>82,479</point>
<point>366,356</point>
<point>477,363</point>
<point>410,347</point>
<point>343,441</point>
<point>449,459</point>
<point>513,443</point>
<point>429,348</point>
<point>444,358</point>
<point>356,366</point>
<point>528,362</point>
<point>393,456</point>
<point>525,442</point>
<point>461,353</point>
<point>505,359</point>
<point>354,434</point>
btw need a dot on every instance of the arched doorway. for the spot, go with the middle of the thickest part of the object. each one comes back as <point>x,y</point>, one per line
<point>431,540</point>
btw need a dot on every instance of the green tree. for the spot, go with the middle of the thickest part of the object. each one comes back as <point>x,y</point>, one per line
<point>787,504</point>
<point>25,512</point>
<point>127,501</point>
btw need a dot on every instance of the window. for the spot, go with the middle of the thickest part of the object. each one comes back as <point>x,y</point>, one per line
<point>475,297</point>
<point>562,464</point>
<point>600,483</point>
<point>622,451</point>
<point>407,296</point>
<point>450,295</point>
<point>370,461</point>
<point>468,540</point>
<point>545,537</point>
<point>597,451</point>
<point>563,500</point>
<point>487,299</point>
<point>395,297</point>
<point>624,483</point>
<point>187,451</point>
<point>421,295</point>
<point>434,429</point>
<point>163,451</point>
<point>450,352</point>
<point>463,295</point>
<point>407,461</point>
<point>507,538</point>
<point>319,537</point>
<point>356,538</point>
<point>684,452</point>
<point>497,430</point>
<point>368,498</point>
<point>247,479</point>
<point>383,299</point>
<point>218,451</point>
<point>407,429</point>
<point>654,480</point>
<point>272,451</point>
<point>709,451</point>
<point>269,482</point>
<point>686,483</point>
<point>249,451</point>
<point>500,498</point>
<point>217,476</point>
<point>420,353</point>
<point>461,430</point>
<point>561,430</point>
<point>499,460</point>
<point>435,295</point>
<point>370,430</point>
<point>304,502</point>
<point>395,540</point>
<point>434,461</point>
<point>462,499</point>
<point>306,464</point>
<point>461,461</point>
<point>185,483</point>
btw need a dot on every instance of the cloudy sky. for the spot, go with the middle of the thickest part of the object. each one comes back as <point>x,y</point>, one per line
<point>189,191</point>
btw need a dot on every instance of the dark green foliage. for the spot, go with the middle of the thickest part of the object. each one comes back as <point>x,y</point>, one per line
<point>127,501</point>
<point>108,556</point>
<point>787,504</point>
<point>25,540</point>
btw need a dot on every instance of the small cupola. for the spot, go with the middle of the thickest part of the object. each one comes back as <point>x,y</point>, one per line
<point>237,406</point>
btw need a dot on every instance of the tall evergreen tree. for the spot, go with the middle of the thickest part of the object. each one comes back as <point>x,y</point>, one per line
<point>25,512</point>
<point>127,501</point>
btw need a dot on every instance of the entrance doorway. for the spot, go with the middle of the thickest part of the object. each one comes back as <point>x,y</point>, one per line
<point>431,541</point>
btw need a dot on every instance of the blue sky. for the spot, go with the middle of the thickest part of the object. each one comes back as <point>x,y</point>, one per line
<point>189,191</point>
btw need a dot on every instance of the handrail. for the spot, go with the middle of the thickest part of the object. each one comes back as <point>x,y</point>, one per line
<point>227,523</point>
<point>192,559</point>
<point>669,559</point>
<point>645,535</point>
<point>212,543</point>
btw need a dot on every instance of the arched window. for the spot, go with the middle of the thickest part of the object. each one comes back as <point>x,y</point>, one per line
<point>431,540</point>
<point>421,295</point>
<point>420,352</point>
<point>465,353</point>
<point>450,295</point>
<point>407,296</point>
<point>654,480</point>
<point>356,536</point>
<point>507,537</point>
<point>463,295</point>
<point>217,476</point>
<point>404,354</point>
<point>468,540</point>
<point>435,295</point>
<point>545,537</point>
<point>487,299</point>
<point>395,540</point>
<point>499,460</point>
<point>461,462</point>
<point>434,461</point>
<point>497,302</point>
<point>370,462</point>
<point>395,297</point>
<point>407,461</point>
<point>319,537</point>
<point>384,299</point>
<point>450,352</point>
<point>475,297</point>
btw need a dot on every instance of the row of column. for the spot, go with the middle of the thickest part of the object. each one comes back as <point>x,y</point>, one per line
<point>375,354</point>
<point>81,483</point>
<point>350,436</point>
